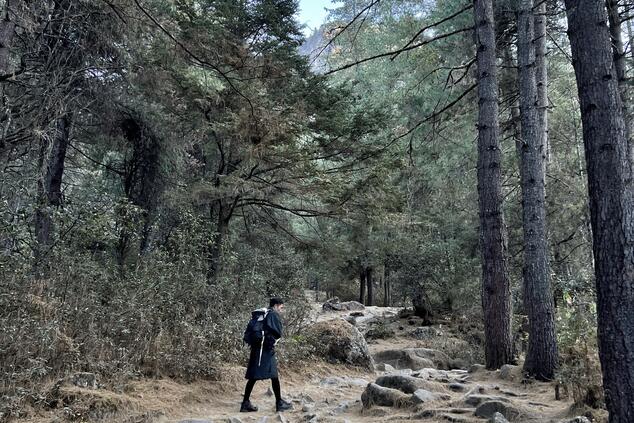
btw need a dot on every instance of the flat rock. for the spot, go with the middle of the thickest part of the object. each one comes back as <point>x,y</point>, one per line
<point>403,359</point>
<point>332,381</point>
<point>477,399</point>
<point>333,304</point>
<point>445,376</point>
<point>457,387</point>
<point>356,381</point>
<point>578,419</point>
<point>422,396</point>
<point>408,384</point>
<point>336,381</point>
<point>384,367</point>
<point>387,397</point>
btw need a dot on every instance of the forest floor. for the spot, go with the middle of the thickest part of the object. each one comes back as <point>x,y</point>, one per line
<point>329,393</point>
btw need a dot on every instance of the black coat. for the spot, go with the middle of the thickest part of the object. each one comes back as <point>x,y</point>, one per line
<point>266,367</point>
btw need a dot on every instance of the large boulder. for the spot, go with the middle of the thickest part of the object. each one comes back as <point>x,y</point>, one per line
<point>333,304</point>
<point>338,341</point>
<point>386,397</point>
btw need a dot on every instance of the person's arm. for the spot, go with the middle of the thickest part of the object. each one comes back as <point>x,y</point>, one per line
<point>274,324</point>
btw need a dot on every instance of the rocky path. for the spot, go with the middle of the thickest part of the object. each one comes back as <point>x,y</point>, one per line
<point>411,382</point>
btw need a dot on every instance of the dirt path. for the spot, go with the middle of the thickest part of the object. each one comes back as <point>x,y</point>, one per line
<point>329,393</point>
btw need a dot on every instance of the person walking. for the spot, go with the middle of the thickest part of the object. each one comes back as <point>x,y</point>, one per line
<point>262,360</point>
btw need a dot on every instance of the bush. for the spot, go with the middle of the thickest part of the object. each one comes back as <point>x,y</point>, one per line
<point>580,371</point>
<point>158,317</point>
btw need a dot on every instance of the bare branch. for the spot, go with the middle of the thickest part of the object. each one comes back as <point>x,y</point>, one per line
<point>390,53</point>
<point>464,9</point>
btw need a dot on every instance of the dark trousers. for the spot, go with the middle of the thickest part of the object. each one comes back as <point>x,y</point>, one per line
<point>275,384</point>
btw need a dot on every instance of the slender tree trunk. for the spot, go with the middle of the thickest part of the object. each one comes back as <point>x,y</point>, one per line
<point>387,302</point>
<point>541,358</point>
<point>218,212</point>
<point>618,53</point>
<point>496,288</point>
<point>51,164</point>
<point>609,165</point>
<point>370,283</point>
<point>541,78</point>
<point>362,284</point>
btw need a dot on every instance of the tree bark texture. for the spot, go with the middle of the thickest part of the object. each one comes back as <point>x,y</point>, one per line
<point>611,190</point>
<point>541,77</point>
<point>369,273</point>
<point>362,285</point>
<point>496,291</point>
<point>49,186</point>
<point>618,53</point>
<point>541,358</point>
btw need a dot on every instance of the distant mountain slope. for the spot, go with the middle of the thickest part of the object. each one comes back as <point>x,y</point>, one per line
<point>312,48</point>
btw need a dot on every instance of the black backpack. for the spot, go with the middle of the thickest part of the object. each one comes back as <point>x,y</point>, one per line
<point>255,332</point>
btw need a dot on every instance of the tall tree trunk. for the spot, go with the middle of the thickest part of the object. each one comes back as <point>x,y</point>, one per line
<point>618,53</point>
<point>362,284</point>
<point>541,358</point>
<point>370,283</point>
<point>609,166</point>
<point>49,186</point>
<point>496,288</point>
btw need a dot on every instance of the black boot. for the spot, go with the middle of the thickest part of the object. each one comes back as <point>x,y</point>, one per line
<point>282,405</point>
<point>247,407</point>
